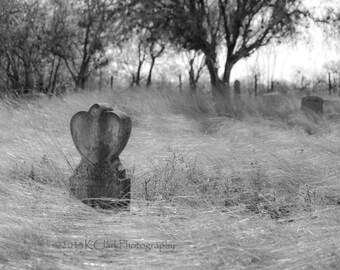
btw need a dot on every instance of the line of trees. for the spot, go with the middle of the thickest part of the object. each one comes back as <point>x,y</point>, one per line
<point>53,44</point>
<point>46,44</point>
<point>236,28</point>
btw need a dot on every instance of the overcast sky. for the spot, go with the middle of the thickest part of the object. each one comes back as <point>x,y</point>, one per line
<point>286,60</point>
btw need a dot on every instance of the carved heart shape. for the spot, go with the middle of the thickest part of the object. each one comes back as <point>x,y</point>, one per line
<point>100,133</point>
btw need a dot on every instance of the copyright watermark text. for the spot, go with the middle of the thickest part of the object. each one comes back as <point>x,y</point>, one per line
<point>115,244</point>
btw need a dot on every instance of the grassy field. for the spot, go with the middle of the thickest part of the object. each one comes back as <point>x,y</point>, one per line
<point>257,190</point>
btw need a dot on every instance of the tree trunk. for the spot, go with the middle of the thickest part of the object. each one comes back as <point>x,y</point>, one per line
<point>220,91</point>
<point>81,83</point>
<point>227,72</point>
<point>137,78</point>
<point>255,85</point>
<point>192,80</point>
<point>218,87</point>
<point>28,81</point>
<point>148,82</point>
<point>229,64</point>
<point>12,74</point>
<point>56,72</point>
<point>329,84</point>
<point>141,59</point>
<point>81,78</point>
<point>49,85</point>
<point>180,83</point>
<point>192,83</point>
<point>133,80</point>
<point>217,91</point>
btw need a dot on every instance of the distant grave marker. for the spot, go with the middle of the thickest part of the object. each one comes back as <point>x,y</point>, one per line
<point>313,103</point>
<point>237,87</point>
<point>100,135</point>
<point>237,95</point>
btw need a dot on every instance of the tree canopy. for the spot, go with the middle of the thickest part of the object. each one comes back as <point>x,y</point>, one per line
<point>46,43</point>
<point>236,27</point>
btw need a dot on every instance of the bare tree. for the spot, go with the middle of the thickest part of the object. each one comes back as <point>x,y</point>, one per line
<point>195,65</point>
<point>155,51</point>
<point>242,27</point>
<point>88,28</point>
<point>151,43</point>
<point>22,52</point>
<point>133,55</point>
<point>333,69</point>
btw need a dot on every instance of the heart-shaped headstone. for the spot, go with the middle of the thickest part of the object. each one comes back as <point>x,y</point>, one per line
<point>100,133</point>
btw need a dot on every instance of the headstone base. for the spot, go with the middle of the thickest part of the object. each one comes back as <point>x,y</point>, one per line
<point>102,185</point>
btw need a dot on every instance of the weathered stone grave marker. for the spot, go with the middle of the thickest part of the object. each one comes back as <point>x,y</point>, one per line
<point>100,135</point>
<point>237,87</point>
<point>237,94</point>
<point>313,103</point>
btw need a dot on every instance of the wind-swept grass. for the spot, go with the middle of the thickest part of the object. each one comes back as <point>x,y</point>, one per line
<point>208,192</point>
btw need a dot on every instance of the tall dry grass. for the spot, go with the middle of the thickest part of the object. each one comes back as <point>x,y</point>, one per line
<point>257,191</point>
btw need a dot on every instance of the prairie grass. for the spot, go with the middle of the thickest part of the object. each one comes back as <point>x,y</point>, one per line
<point>259,190</point>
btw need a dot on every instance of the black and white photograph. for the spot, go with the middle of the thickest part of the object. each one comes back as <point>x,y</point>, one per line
<point>169,134</point>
